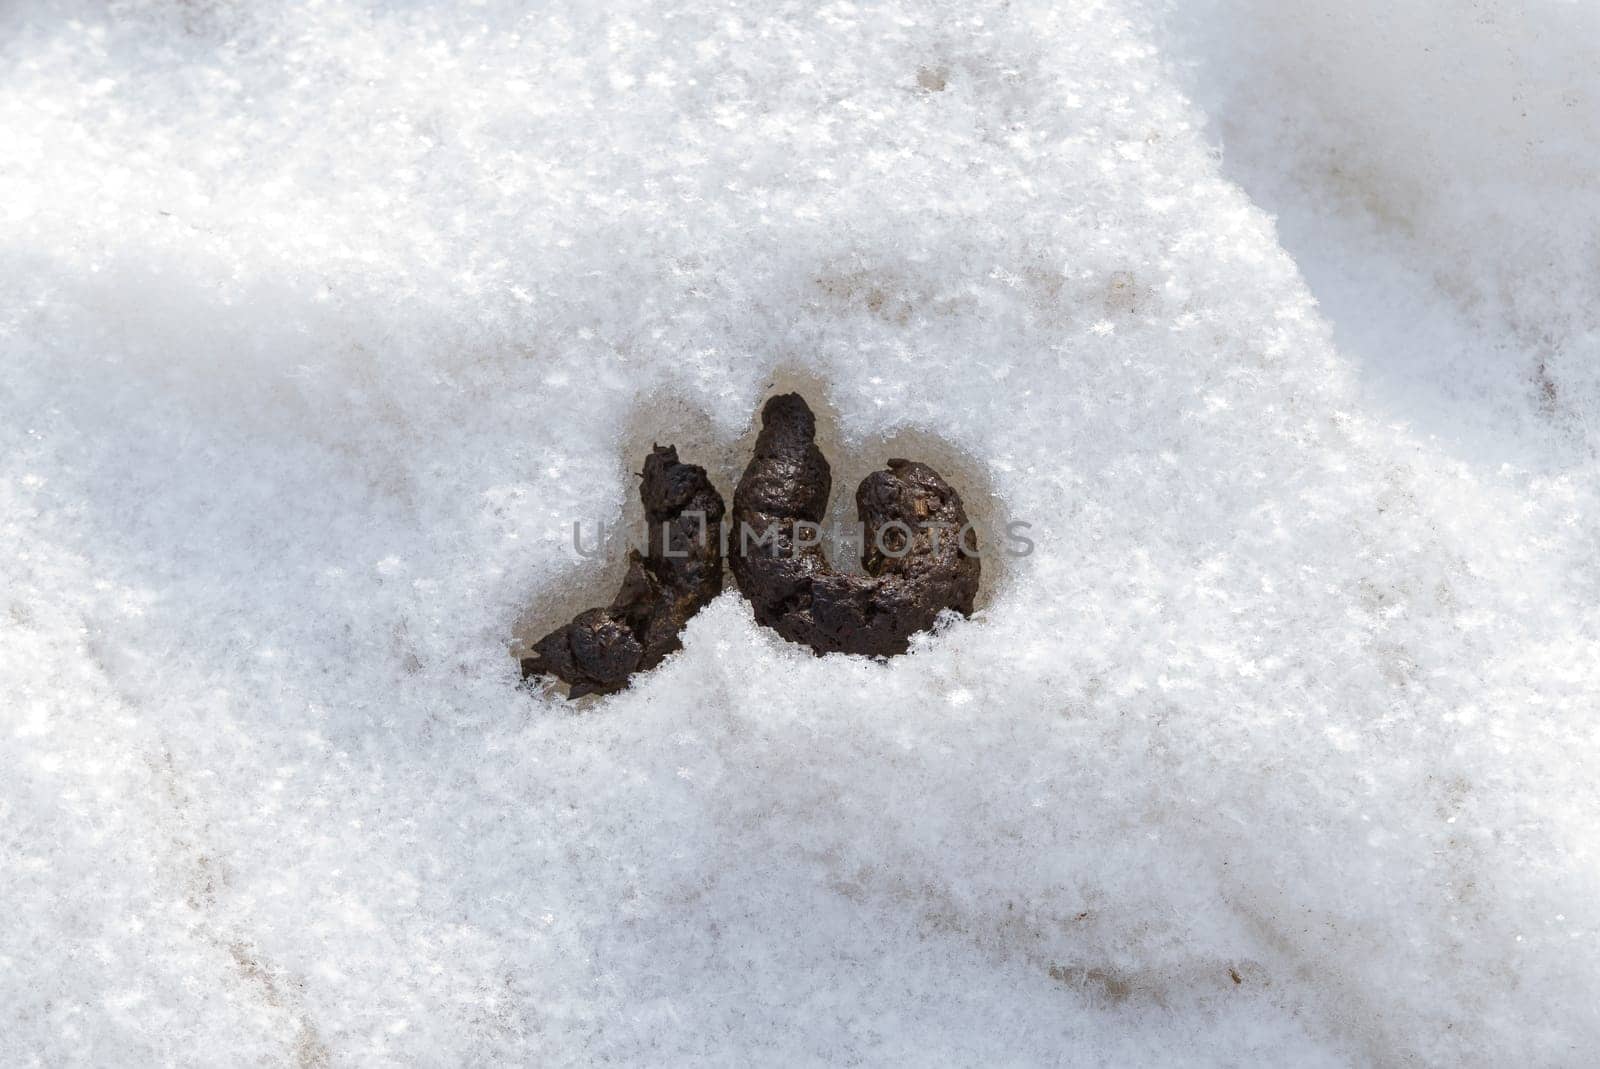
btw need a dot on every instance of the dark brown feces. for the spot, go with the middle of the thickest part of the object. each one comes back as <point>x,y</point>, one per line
<point>682,570</point>
<point>913,526</point>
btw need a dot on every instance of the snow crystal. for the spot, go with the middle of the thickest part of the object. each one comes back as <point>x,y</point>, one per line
<point>322,323</point>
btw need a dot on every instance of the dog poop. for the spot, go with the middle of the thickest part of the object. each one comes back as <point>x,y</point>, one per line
<point>918,549</point>
<point>680,572</point>
<point>919,552</point>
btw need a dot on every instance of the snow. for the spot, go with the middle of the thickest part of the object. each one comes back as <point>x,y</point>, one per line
<point>320,324</point>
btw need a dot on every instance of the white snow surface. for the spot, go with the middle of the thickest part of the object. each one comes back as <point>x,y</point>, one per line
<point>321,323</point>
